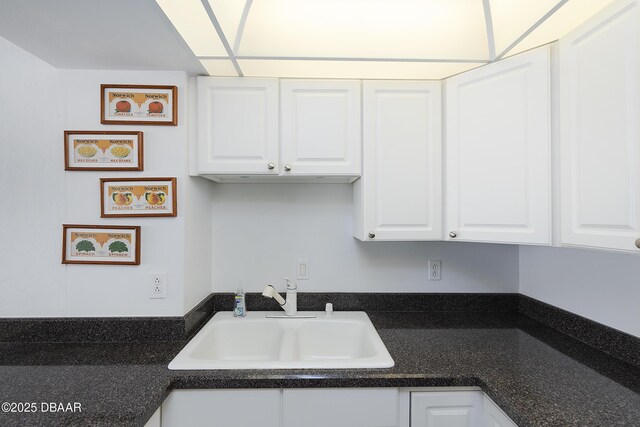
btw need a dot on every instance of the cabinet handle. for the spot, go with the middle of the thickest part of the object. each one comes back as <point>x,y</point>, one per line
<point>638,243</point>
<point>453,234</point>
<point>287,168</point>
<point>271,166</point>
<point>373,235</point>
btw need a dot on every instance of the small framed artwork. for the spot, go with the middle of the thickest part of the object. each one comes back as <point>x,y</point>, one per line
<point>138,197</point>
<point>103,150</point>
<point>138,104</point>
<point>101,244</point>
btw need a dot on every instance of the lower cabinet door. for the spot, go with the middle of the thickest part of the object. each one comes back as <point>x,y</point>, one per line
<point>494,417</point>
<point>340,407</point>
<point>222,408</point>
<point>446,409</point>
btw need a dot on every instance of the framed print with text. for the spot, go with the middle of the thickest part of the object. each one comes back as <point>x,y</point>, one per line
<point>138,197</point>
<point>138,104</point>
<point>100,244</point>
<point>86,150</point>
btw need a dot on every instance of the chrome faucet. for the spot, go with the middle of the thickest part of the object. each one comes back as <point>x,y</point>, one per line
<point>290,306</point>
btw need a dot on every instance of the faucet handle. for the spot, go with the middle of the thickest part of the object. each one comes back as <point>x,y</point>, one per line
<point>291,286</point>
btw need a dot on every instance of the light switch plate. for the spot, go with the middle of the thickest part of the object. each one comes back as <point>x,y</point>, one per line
<point>302,272</point>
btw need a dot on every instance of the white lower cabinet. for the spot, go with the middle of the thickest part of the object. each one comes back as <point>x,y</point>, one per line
<point>222,408</point>
<point>446,409</point>
<point>455,409</point>
<point>340,407</point>
<point>493,415</point>
<point>155,420</point>
<point>335,407</point>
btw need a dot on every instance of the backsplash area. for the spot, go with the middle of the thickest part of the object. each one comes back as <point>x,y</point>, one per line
<point>260,231</point>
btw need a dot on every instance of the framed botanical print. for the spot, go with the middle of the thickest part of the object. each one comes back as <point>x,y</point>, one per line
<point>101,244</point>
<point>138,104</point>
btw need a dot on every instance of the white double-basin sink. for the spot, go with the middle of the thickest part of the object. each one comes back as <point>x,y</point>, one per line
<point>341,340</point>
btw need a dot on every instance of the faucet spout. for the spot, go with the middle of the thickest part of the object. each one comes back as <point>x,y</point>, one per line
<point>270,292</point>
<point>290,306</point>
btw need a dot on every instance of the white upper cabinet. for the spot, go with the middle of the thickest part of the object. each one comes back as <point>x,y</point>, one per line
<point>320,127</point>
<point>498,152</point>
<point>399,196</point>
<point>600,135</point>
<point>249,130</point>
<point>237,126</point>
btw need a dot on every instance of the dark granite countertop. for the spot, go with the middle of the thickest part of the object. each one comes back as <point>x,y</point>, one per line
<point>538,376</point>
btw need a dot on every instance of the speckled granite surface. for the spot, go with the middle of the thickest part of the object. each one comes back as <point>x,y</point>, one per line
<point>538,376</point>
<point>611,341</point>
<point>105,329</point>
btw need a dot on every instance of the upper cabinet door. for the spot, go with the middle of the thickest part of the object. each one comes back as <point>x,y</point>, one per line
<point>320,127</point>
<point>600,138</point>
<point>237,126</point>
<point>399,196</point>
<point>498,152</point>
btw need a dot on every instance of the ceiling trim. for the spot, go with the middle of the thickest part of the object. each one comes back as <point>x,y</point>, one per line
<point>532,28</point>
<point>488,21</point>
<point>243,22</point>
<point>346,59</point>
<point>223,38</point>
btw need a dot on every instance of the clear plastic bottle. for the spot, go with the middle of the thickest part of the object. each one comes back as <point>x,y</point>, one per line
<point>239,305</point>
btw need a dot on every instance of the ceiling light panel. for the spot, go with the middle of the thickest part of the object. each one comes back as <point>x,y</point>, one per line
<point>435,29</point>
<point>512,18</point>
<point>194,25</point>
<point>229,15</point>
<point>219,67</point>
<point>352,69</point>
<point>566,19</point>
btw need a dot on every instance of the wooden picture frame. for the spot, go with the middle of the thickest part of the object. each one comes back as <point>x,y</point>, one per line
<point>101,244</point>
<point>88,150</point>
<point>138,197</point>
<point>138,105</point>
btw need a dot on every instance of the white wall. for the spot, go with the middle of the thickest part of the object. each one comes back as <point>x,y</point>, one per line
<point>32,280</point>
<point>44,102</point>
<point>124,290</point>
<point>599,285</point>
<point>261,230</point>
<point>197,224</point>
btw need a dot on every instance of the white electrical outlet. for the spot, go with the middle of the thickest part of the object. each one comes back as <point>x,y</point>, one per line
<point>303,269</point>
<point>157,285</point>
<point>435,270</point>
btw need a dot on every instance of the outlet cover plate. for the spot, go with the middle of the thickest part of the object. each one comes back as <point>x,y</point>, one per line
<point>157,285</point>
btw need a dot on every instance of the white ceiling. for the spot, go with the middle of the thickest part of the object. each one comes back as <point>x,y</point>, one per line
<point>97,34</point>
<point>399,39</point>
<point>367,38</point>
